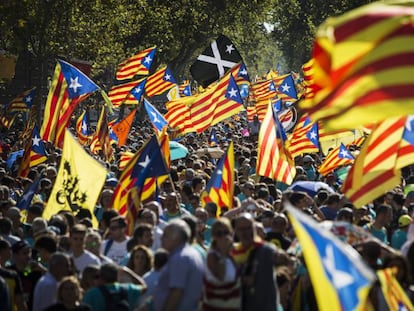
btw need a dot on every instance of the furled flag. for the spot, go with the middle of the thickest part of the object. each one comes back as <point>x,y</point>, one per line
<point>78,183</point>
<point>128,93</point>
<point>138,64</point>
<point>337,157</point>
<point>374,171</point>
<point>146,162</point>
<point>220,56</point>
<point>34,153</point>
<point>69,87</point>
<point>82,131</point>
<point>394,294</point>
<point>121,129</point>
<point>27,197</point>
<point>287,89</point>
<point>273,159</point>
<point>159,82</point>
<point>102,133</point>
<point>156,118</point>
<point>220,187</point>
<point>340,279</point>
<point>363,66</point>
<point>23,102</point>
<point>304,140</point>
<point>212,140</point>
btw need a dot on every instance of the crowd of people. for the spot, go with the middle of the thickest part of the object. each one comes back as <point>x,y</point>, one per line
<point>182,255</point>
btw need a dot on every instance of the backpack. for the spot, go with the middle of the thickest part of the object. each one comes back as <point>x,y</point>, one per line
<point>115,301</point>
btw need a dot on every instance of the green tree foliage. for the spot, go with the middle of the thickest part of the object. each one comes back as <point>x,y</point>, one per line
<point>296,22</point>
<point>108,31</point>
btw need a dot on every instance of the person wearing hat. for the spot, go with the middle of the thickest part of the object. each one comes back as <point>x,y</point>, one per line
<point>309,167</point>
<point>399,237</point>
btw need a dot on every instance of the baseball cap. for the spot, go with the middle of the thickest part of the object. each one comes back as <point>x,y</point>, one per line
<point>404,221</point>
<point>308,158</point>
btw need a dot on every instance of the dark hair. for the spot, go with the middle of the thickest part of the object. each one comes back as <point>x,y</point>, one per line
<point>108,215</point>
<point>140,229</point>
<point>79,228</point>
<point>119,220</point>
<point>191,222</point>
<point>109,272</point>
<point>46,242</point>
<point>160,258</point>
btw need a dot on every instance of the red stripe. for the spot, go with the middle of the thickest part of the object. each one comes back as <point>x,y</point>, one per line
<point>367,188</point>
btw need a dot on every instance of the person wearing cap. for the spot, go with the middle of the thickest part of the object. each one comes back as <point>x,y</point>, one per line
<point>399,237</point>
<point>29,271</point>
<point>309,167</point>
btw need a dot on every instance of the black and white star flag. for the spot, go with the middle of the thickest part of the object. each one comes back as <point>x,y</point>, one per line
<point>220,56</point>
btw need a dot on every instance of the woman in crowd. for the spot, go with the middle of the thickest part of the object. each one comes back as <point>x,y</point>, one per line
<point>141,260</point>
<point>69,296</point>
<point>221,282</point>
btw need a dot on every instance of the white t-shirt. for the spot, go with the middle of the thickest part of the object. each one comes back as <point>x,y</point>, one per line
<point>117,251</point>
<point>84,260</point>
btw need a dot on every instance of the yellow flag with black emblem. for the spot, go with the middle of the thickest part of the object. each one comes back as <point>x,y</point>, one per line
<point>78,183</point>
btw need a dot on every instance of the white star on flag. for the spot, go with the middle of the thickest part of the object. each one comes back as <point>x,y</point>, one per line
<point>35,141</point>
<point>155,117</point>
<point>74,84</point>
<point>167,77</point>
<point>137,90</point>
<point>408,123</point>
<point>219,172</point>
<point>84,127</point>
<point>145,163</point>
<point>229,48</point>
<point>216,59</point>
<point>313,135</point>
<point>339,278</point>
<point>243,72</point>
<point>232,92</point>
<point>285,87</point>
<point>28,99</point>
<point>345,153</point>
<point>147,59</point>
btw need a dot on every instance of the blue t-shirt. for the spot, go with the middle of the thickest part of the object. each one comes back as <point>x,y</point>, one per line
<point>398,239</point>
<point>184,270</point>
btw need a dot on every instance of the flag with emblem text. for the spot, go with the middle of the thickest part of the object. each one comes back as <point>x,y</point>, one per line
<point>78,183</point>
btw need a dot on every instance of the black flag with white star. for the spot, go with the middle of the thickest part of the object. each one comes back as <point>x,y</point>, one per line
<point>215,61</point>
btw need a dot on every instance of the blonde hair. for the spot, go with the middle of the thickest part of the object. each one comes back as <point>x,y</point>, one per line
<point>69,280</point>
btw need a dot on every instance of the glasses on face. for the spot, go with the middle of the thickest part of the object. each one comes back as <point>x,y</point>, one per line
<point>113,228</point>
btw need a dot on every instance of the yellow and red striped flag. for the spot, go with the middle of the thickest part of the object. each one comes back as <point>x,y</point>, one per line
<point>178,114</point>
<point>159,82</point>
<point>273,159</point>
<point>304,140</point>
<point>69,87</point>
<point>220,187</point>
<point>128,93</point>
<point>102,135</point>
<point>22,102</point>
<point>138,64</point>
<point>377,167</point>
<point>148,162</point>
<point>82,129</point>
<point>363,64</point>
<point>337,157</point>
<point>394,294</point>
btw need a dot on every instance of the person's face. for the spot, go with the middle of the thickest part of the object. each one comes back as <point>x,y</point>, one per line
<point>168,240</point>
<point>170,203</point>
<point>140,260</point>
<point>116,231</point>
<point>23,256</point>
<point>92,244</point>
<point>223,236</point>
<point>69,292</point>
<point>77,241</point>
<point>148,217</point>
<point>148,238</point>
<point>245,231</point>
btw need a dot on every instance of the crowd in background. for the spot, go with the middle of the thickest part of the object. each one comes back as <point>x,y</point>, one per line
<point>182,255</point>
